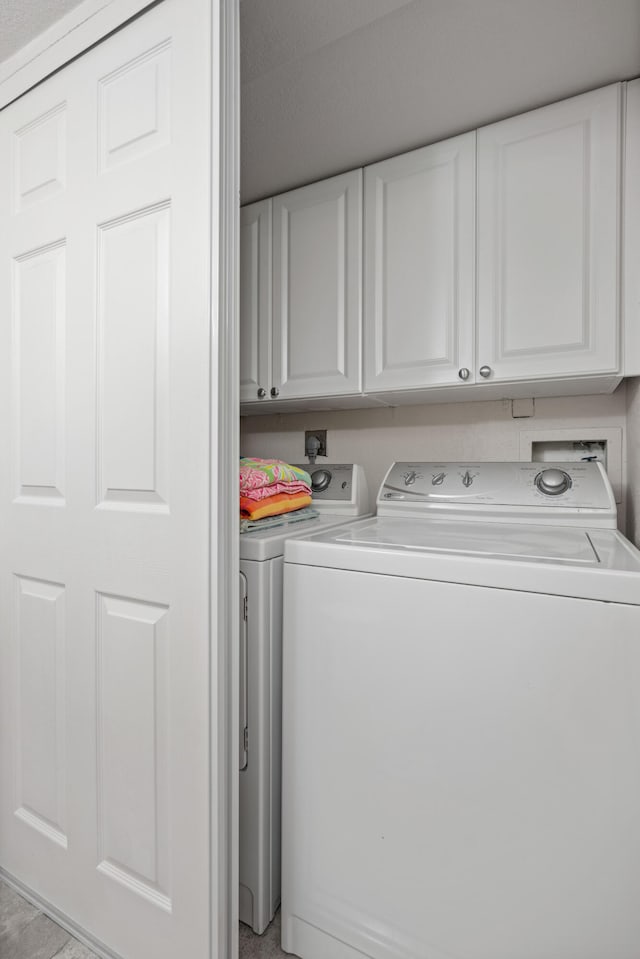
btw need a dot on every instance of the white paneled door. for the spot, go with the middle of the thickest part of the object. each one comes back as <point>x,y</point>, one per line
<point>104,507</point>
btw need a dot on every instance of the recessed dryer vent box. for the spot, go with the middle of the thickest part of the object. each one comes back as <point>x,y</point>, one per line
<point>559,450</point>
<point>603,445</point>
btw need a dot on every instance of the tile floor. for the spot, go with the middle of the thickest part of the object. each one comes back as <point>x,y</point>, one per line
<point>25,933</point>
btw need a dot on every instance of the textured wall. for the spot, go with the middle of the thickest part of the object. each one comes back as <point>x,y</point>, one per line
<point>633,460</point>
<point>453,431</point>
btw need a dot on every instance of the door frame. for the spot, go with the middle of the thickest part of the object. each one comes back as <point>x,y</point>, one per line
<point>85,25</point>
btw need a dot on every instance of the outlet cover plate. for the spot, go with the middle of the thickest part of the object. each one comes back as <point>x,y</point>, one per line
<point>321,436</point>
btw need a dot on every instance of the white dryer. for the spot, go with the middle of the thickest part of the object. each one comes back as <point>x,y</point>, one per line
<point>461,720</point>
<point>340,495</point>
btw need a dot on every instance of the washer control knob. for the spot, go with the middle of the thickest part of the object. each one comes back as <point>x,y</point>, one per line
<point>320,479</point>
<point>438,479</point>
<point>464,373</point>
<point>552,482</point>
<point>410,478</point>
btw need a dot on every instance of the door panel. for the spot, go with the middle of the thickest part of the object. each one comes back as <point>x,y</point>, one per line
<point>133,359</point>
<point>419,266</point>
<point>40,166</point>
<point>104,510</point>
<point>255,301</point>
<point>39,281</point>
<point>132,748</point>
<point>40,769</point>
<point>317,256</point>
<point>548,185</point>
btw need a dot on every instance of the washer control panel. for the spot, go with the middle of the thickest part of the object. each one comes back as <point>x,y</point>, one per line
<point>530,491</point>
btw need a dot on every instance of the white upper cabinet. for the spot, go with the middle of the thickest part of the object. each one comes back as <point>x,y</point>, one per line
<point>548,201</point>
<point>492,266</point>
<point>419,267</point>
<point>255,301</point>
<point>317,268</point>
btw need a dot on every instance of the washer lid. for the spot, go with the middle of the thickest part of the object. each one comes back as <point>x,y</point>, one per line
<point>497,540</point>
<point>598,564</point>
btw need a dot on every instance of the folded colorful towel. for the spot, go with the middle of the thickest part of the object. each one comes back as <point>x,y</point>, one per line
<point>262,492</point>
<point>256,473</point>
<point>273,505</point>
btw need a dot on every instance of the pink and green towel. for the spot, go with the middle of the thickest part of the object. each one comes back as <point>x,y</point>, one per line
<point>256,473</point>
<point>271,488</point>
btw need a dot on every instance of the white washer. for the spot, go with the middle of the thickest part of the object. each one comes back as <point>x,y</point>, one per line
<point>340,495</point>
<point>461,722</point>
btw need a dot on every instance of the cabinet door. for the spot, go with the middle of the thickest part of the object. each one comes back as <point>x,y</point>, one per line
<point>631,214</point>
<point>317,262</point>
<point>255,301</point>
<point>548,194</point>
<point>419,267</point>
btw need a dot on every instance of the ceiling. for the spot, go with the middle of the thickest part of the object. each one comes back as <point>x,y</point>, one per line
<point>22,20</point>
<point>328,85</point>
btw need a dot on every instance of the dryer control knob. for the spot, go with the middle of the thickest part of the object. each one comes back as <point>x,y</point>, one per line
<point>552,482</point>
<point>320,480</point>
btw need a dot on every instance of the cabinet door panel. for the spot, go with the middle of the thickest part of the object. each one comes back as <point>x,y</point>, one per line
<point>419,266</point>
<point>255,300</point>
<point>630,271</point>
<point>317,239</point>
<point>548,186</point>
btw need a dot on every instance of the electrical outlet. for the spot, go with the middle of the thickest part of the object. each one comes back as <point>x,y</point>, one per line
<point>316,437</point>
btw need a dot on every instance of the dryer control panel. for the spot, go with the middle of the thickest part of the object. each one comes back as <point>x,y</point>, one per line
<point>574,493</point>
<point>338,487</point>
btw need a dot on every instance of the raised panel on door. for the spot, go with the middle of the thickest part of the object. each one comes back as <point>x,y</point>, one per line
<point>255,301</point>
<point>38,361</point>
<point>317,242</point>
<point>39,157</point>
<point>132,647</point>
<point>419,267</point>
<point>105,354</point>
<point>133,359</point>
<point>39,713</point>
<point>548,196</point>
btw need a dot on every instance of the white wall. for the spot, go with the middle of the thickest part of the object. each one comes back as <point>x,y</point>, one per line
<point>633,460</point>
<point>453,431</point>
